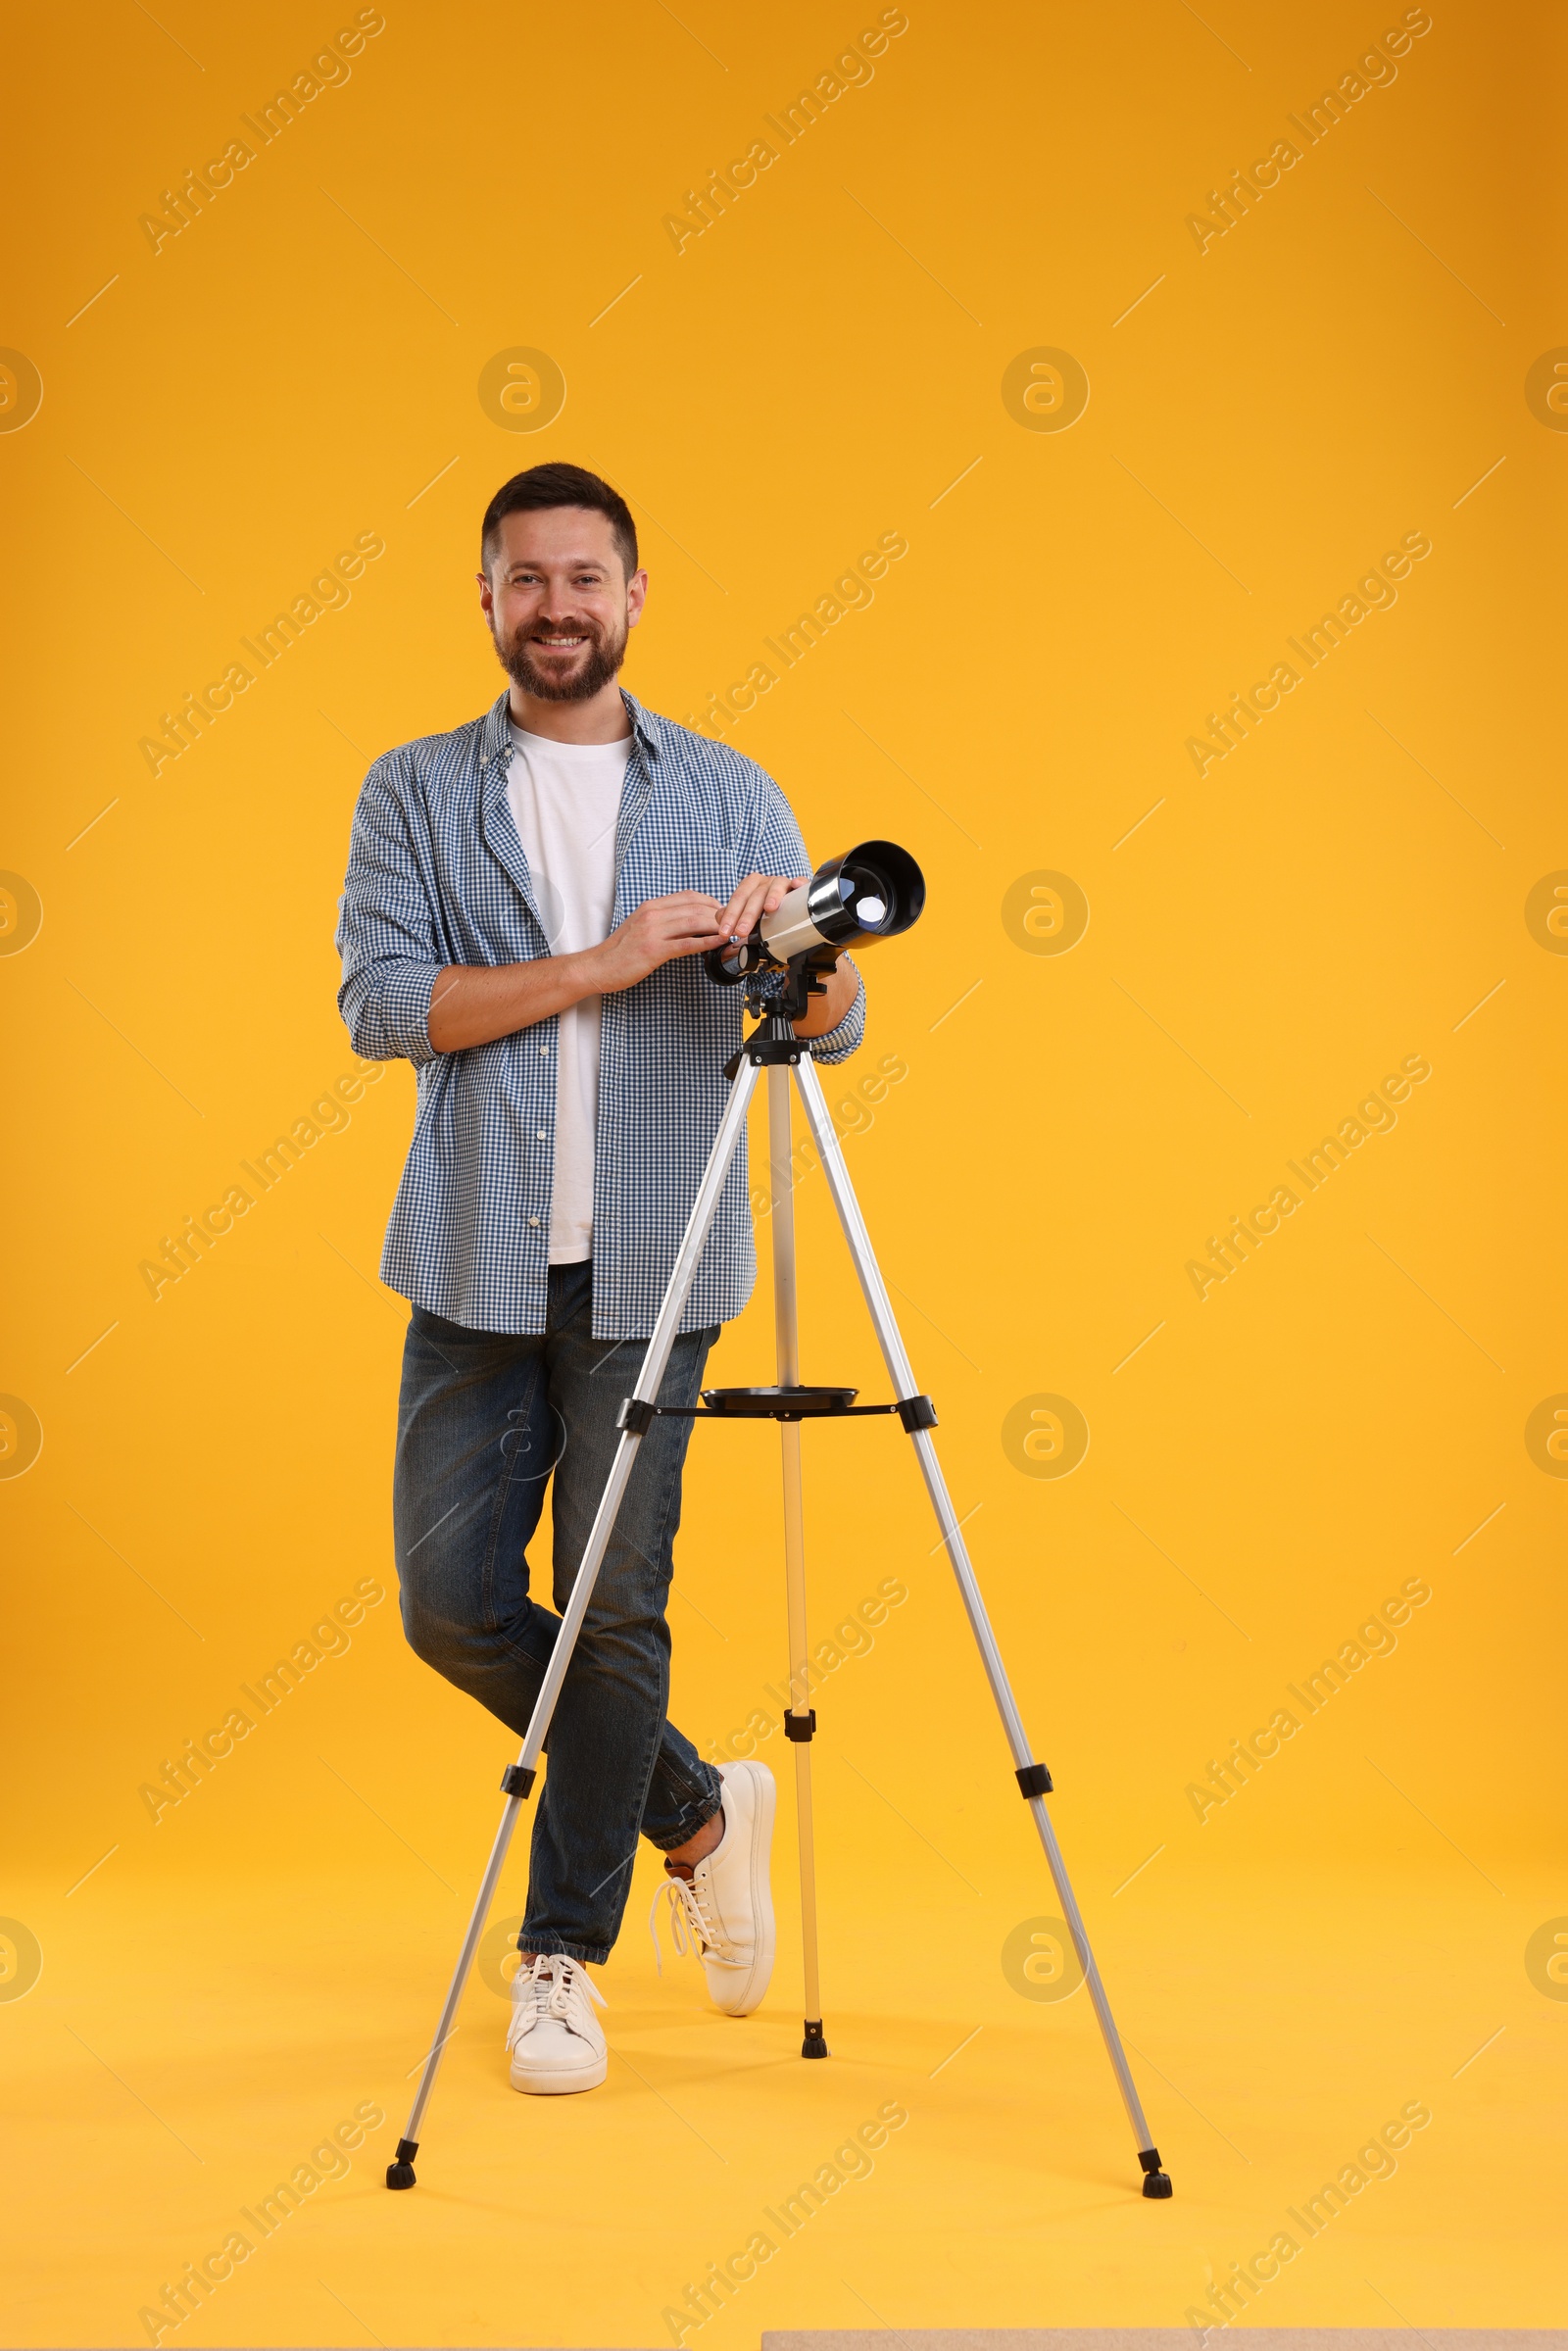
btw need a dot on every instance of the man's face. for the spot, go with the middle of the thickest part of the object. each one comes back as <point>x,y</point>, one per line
<point>558,604</point>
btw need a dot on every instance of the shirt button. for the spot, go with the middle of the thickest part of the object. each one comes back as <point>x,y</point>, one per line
<point>544,1048</point>
<point>540,1135</point>
<point>533,1220</point>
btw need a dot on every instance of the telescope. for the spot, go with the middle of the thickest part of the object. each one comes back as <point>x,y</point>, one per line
<point>875,891</point>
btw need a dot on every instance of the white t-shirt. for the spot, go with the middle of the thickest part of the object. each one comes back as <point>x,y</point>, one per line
<point>565,801</point>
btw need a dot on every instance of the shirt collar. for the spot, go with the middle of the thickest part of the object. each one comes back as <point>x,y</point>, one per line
<point>495,739</point>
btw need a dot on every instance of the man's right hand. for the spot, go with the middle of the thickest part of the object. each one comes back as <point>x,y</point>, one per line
<point>662,928</point>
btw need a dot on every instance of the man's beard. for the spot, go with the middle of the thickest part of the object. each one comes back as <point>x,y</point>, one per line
<point>605,656</point>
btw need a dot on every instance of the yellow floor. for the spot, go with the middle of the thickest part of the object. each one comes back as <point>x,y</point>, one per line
<point>190,2043</point>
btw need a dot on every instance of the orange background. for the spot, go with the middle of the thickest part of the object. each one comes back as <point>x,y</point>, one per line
<point>1267,939</point>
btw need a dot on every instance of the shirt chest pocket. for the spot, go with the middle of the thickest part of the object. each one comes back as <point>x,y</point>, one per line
<point>673,866</point>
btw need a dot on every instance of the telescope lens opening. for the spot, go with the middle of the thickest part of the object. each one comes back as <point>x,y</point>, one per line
<point>867,895</point>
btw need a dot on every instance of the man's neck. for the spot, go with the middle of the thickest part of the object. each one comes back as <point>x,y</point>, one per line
<point>601,719</point>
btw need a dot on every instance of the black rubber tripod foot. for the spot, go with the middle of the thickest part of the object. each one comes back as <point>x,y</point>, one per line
<point>1156,2183</point>
<point>813,2046</point>
<point>400,2172</point>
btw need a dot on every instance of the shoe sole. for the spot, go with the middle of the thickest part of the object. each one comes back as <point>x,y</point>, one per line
<point>764,1802</point>
<point>561,2082</point>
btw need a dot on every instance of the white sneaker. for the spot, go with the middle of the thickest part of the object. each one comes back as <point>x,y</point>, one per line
<point>725,1909</point>
<point>556,2040</point>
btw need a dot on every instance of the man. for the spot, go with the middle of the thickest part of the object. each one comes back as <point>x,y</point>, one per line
<point>527,902</point>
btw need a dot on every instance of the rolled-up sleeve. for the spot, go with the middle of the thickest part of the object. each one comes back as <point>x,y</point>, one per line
<point>387,932</point>
<point>780,848</point>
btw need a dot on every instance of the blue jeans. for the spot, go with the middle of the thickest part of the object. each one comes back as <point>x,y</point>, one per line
<point>485,1421</point>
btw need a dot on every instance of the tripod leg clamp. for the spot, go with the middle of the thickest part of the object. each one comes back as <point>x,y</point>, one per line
<point>1034,1779</point>
<point>517,1780</point>
<point>800,1728</point>
<point>916,1412</point>
<point>637,1415</point>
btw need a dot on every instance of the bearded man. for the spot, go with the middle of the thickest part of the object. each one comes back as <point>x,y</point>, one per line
<point>526,902</point>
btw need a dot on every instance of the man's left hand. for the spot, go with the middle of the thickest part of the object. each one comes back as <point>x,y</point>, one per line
<point>762,894</point>
<point>758,895</point>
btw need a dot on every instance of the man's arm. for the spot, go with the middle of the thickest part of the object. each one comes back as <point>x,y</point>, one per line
<point>774,846</point>
<point>474,1003</point>
<point>825,1011</point>
<point>387,933</point>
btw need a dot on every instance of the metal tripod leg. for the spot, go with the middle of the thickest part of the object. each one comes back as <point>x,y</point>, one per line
<point>518,1777</point>
<point>1033,1777</point>
<point>800,1720</point>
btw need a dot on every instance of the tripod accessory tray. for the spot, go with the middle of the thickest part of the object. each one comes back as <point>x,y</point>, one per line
<point>774,1404</point>
<point>783,1403</point>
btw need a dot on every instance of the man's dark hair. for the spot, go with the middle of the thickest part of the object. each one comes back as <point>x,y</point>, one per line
<point>560,485</point>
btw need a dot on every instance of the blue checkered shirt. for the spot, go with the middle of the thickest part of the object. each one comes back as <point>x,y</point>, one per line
<point>437,876</point>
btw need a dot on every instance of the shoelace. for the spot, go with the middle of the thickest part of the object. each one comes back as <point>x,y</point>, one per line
<point>691,1923</point>
<point>549,1986</point>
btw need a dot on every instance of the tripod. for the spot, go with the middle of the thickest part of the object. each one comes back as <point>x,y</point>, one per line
<point>774,1046</point>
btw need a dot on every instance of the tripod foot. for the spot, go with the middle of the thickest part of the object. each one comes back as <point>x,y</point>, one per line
<point>813,2046</point>
<point>400,2173</point>
<point>1156,2183</point>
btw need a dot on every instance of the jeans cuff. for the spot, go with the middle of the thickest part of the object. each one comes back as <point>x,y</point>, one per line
<point>556,1947</point>
<point>693,1816</point>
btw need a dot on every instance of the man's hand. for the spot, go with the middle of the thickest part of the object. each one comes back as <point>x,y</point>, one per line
<point>662,928</point>
<point>758,895</point>
<point>762,894</point>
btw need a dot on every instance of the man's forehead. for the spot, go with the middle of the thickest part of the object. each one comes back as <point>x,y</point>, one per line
<point>556,534</point>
